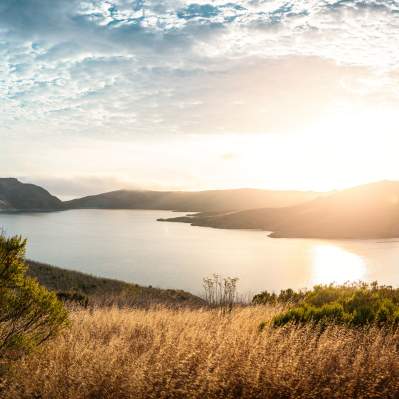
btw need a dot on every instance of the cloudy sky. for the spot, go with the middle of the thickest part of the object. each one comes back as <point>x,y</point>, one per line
<point>178,94</point>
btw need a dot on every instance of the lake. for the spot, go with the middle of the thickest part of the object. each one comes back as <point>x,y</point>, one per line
<point>131,245</point>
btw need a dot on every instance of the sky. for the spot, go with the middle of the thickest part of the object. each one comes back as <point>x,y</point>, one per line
<point>177,94</point>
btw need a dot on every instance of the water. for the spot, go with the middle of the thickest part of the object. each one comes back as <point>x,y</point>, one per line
<point>133,246</point>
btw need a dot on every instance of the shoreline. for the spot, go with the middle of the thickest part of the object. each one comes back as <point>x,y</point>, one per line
<point>192,219</point>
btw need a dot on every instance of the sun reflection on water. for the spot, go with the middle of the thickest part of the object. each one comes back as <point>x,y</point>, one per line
<point>332,264</point>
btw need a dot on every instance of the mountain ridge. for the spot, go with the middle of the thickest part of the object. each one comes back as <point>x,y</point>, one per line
<point>366,211</point>
<point>191,201</point>
<point>18,196</point>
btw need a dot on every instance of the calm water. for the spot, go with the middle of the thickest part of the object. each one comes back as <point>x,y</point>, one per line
<point>133,246</point>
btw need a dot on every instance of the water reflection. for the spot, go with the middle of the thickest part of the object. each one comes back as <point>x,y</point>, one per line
<point>135,247</point>
<point>332,264</point>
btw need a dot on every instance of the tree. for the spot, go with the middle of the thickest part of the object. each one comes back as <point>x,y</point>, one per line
<point>29,313</point>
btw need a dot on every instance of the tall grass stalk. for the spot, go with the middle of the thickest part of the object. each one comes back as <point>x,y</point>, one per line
<point>166,353</point>
<point>220,292</point>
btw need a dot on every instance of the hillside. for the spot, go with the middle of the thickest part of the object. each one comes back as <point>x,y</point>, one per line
<point>103,291</point>
<point>368,211</point>
<point>199,201</point>
<point>15,195</point>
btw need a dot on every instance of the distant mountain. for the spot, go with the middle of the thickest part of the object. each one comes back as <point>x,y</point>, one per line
<point>15,195</point>
<point>369,211</point>
<point>199,201</point>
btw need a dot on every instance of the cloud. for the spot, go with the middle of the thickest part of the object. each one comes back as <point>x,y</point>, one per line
<point>131,67</point>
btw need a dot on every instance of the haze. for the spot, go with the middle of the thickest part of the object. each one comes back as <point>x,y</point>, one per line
<point>173,94</point>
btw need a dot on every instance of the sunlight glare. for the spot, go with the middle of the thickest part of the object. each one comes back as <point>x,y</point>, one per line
<point>349,147</point>
<point>332,264</point>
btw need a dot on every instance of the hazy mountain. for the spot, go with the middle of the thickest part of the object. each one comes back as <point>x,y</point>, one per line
<point>200,201</point>
<point>15,195</point>
<point>369,211</point>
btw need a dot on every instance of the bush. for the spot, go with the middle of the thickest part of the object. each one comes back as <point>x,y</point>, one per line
<point>29,313</point>
<point>353,305</point>
<point>288,296</point>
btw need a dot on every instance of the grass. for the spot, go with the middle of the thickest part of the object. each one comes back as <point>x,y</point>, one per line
<point>59,279</point>
<point>196,353</point>
<point>105,291</point>
<point>117,348</point>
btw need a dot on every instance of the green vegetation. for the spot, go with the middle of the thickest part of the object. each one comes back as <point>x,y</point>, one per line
<point>29,313</point>
<point>352,305</point>
<point>288,296</point>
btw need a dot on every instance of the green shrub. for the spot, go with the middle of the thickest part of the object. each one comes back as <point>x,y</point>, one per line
<point>353,305</point>
<point>288,296</point>
<point>29,313</point>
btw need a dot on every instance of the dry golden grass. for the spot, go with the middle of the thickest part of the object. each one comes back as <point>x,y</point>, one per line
<point>162,353</point>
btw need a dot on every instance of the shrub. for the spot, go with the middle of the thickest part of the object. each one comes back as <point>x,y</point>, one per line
<point>29,313</point>
<point>288,296</point>
<point>265,298</point>
<point>353,305</point>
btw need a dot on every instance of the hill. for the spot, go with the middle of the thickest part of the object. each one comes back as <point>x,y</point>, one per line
<point>368,211</point>
<point>198,201</point>
<point>105,291</point>
<point>15,195</point>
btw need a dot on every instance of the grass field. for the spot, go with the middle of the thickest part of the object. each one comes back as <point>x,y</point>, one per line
<point>165,353</point>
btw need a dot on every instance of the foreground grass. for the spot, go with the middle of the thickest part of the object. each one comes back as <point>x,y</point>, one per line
<point>165,353</point>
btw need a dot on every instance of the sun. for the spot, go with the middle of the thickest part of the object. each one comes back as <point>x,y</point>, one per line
<point>343,149</point>
<point>332,264</point>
